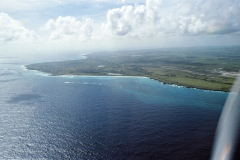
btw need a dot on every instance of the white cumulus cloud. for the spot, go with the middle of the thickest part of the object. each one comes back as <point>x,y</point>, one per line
<point>157,18</point>
<point>69,28</point>
<point>13,30</point>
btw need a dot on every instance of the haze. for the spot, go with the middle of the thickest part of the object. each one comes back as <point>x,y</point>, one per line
<point>54,26</point>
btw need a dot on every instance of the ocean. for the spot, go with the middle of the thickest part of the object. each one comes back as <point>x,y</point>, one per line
<point>87,117</point>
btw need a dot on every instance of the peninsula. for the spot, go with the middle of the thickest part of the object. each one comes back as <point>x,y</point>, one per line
<point>211,68</point>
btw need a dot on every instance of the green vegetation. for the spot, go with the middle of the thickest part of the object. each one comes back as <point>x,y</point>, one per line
<point>212,68</point>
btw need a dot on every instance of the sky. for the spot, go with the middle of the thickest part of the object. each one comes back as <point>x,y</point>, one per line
<point>52,26</point>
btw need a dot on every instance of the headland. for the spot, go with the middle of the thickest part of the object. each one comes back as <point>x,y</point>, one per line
<point>210,68</point>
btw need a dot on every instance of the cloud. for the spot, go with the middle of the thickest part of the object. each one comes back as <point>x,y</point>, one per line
<point>32,5</point>
<point>158,18</point>
<point>138,20</point>
<point>125,22</point>
<point>13,30</point>
<point>86,31</point>
<point>69,28</point>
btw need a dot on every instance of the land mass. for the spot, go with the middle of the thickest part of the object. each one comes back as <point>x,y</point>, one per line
<point>211,68</point>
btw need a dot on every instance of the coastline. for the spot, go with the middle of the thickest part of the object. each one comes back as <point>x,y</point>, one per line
<point>130,76</point>
<point>194,71</point>
<point>185,86</point>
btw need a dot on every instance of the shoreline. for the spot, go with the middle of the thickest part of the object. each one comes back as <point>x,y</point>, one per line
<point>86,75</point>
<point>195,71</point>
<point>189,86</point>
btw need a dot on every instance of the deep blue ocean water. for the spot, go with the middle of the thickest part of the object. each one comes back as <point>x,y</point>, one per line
<point>77,117</point>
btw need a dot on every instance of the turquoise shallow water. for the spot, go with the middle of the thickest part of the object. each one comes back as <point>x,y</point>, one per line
<point>74,117</point>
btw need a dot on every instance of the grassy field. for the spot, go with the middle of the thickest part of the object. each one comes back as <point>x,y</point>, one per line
<point>212,68</point>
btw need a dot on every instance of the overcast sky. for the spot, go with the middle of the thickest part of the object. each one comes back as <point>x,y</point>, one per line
<point>90,25</point>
